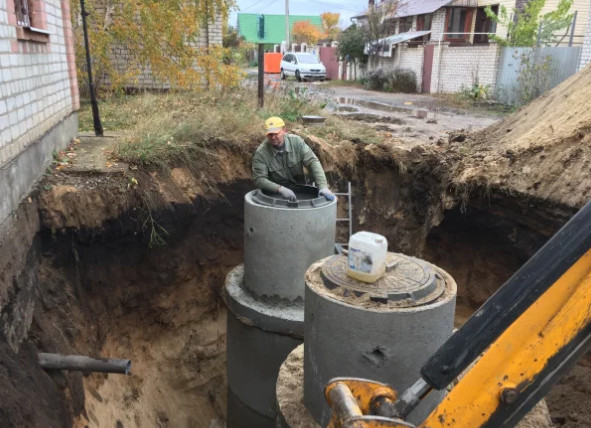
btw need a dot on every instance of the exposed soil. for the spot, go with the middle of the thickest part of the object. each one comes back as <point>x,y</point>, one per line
<point>82,270</point>
<point>542,151</point>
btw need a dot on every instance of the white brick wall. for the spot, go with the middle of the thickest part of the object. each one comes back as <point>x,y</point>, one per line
<point>463,66</point>
<point>405,57</point>
<point>35,91</point>
<point>586,53</point>
<point>438,24</point>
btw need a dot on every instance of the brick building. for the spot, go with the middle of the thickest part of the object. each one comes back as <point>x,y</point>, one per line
<point>38,92</point>
<point>445,43</point>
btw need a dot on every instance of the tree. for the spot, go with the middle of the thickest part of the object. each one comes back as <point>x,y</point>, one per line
<point>162,37</point>
<point>528,28</point>
<point>330,24</point>
<point>305,32</point>
<point>231,38</point>
<point>379,24</point>
<point>352,44</point>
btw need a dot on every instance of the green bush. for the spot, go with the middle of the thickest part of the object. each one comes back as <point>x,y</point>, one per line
<point>477,92</point>
<point>375,80</point>
<point>401,80</point>
<point>397,80</point>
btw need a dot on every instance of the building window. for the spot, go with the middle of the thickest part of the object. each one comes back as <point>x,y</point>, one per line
<point>30,20</point>
<point>458,24</point>
<point>424,24</point>
<point>484,24</point>
<point>23,19</point>
<point>389,27</point>
<point>405,24</point>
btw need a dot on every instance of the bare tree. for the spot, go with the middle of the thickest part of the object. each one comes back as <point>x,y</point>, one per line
<point>380,23</point>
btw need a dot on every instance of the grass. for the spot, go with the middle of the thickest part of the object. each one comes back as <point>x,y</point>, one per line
<point>337,129</point>
<point>160,130</point>
<point>460,101</point>
<point>345,83</point>
<point>116,113</point>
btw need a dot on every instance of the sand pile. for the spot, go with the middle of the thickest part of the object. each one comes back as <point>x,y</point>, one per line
<point>542,150</point>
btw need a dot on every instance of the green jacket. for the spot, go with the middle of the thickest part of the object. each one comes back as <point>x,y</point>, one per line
<point>271,169</point>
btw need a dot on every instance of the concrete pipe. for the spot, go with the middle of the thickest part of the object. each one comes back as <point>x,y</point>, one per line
<point>253,360</point>
<point>282,239</point>
<point>265,296</point>
<point>383,331</point>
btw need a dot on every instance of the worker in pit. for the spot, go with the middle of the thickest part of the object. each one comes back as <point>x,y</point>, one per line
<point>280,159</point>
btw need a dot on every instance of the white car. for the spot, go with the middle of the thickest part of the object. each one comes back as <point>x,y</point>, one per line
<point>302,66</point>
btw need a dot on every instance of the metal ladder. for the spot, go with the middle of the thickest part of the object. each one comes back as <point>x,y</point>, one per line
<point>349,217</point>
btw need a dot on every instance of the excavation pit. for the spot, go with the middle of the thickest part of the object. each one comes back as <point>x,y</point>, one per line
<point>87,282</point>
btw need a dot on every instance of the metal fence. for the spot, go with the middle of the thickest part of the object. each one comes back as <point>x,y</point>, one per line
<point>525,73</point>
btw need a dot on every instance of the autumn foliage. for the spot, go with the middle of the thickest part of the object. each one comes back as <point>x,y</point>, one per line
<point>330,24</point>
<point>166,39</point>
<point>306,32</point>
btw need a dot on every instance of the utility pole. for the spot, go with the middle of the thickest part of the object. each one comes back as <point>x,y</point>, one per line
<point>288,45</point>
<point>98,127</point>
<point>261,76</point>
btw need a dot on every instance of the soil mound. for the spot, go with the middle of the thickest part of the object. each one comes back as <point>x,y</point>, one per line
<point>542,150</point>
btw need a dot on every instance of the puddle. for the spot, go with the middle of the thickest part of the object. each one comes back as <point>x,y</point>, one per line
<point>347,108</point>
<point>372,118</point>
<point>374,105</point>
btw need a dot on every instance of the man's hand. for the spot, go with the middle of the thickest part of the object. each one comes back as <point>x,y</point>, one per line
<point>287,194</point>
<point>327,194</point>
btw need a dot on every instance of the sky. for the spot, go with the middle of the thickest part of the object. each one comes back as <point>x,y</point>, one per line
<point>347,8</point>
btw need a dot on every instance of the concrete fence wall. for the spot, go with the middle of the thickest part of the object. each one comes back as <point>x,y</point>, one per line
<point>586,53</point>
<point>461,67</point>
<point>542,68</point>
<point>38,92</point>
<point>404,56</point>
<point>457,68</point>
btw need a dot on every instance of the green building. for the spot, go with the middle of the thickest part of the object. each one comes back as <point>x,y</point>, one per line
<point>269,29</point>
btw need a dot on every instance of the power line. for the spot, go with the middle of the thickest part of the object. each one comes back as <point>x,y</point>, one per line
<point>253,5</point>
<point>263,8</point>
<point>336,6</point>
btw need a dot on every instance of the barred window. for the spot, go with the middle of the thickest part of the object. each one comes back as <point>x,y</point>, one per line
<point>23,18</point>
<point>30,21</point>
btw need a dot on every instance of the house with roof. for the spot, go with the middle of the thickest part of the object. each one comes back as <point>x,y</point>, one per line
<point>446,42</point>
<point>38,93</point>
<point>270,29</point>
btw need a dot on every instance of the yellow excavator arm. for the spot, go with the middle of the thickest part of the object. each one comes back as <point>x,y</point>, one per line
<point>529,333</point>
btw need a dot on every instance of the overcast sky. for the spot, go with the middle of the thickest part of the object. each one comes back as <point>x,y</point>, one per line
<point>346,8</point>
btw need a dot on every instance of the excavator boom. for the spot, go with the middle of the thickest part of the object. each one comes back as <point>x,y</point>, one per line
<point>527,335</point>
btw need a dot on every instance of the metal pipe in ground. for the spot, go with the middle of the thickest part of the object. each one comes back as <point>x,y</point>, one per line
<point>83,363</point>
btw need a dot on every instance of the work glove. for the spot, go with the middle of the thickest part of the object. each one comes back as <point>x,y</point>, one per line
<point>327,194</point>
<point>287,194</point>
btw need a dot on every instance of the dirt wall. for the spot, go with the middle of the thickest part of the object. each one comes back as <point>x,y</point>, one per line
<point>106,287</point>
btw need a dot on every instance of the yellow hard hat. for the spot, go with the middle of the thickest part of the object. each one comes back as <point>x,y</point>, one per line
<point>273,124</point>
